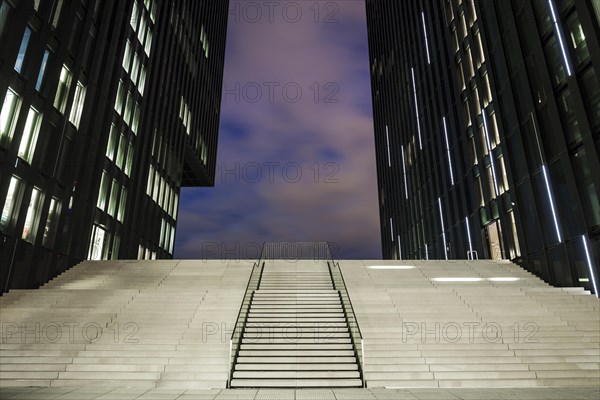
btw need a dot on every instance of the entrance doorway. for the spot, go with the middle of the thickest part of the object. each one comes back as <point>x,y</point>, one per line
<point>494,235</point>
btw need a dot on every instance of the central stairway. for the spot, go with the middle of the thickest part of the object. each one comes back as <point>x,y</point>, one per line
<point>296,333</point>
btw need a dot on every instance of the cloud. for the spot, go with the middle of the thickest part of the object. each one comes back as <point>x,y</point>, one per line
<point>296,155</point>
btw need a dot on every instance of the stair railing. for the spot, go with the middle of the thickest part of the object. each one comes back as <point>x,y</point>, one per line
<point>356,337</point>
<point>235,341</point>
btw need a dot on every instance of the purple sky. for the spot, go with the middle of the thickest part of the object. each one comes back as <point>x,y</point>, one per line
<point>265,143</point>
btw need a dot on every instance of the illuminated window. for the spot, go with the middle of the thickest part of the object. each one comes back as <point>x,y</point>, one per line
<point>98,244</point>
<point>51,223</point>
<point>8,116</point>
<point>56,10</point>
<point>30,135</point>
<point>122,204</point>
<point>102,191</point>
<point>120,96</point>
<point>10,204</point>
<point>33,216</point>
<point>112,139</point>
<point>114,192</point>
<point>127,56</point>
<point>62,92</point>
<point>78,102</point>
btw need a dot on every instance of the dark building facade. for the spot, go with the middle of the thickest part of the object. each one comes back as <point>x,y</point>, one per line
<point>109,108</point>
<point>487,129</point>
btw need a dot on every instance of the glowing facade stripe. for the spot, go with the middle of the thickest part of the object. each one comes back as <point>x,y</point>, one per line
<point>392,229</point>
<point>554,216</point>
<point>589,263</point>
<point>426,37</point>
<point>387,138</point>
<point>560,37</point>
<point>405,176</point>
<point>489,146</point>
<point>448,151</point>
<point>426,252</point>
<point>399,247</point>
<point>443,228</point>
<point>417,108</point>
<point>469,235</point>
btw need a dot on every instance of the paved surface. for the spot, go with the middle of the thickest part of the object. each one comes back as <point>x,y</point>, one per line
<point>63,393</point>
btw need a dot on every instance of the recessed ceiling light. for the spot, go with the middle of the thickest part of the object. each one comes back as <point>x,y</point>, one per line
<point>391,267</point>
<point>504,279</point>
<point>456,279</point>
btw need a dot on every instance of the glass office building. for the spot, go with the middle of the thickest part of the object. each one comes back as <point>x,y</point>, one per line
<point>487,129</point>
<point>109,108</point>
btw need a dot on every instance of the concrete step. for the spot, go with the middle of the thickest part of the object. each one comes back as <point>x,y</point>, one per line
<point>295,383</point>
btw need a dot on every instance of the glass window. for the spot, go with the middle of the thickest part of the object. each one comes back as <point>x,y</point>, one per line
<point>119,99</point>
<point>136,68</point>
<point>115,248</point>
<point>149,181</point>
<point>112,140</point>
<point>102,191</point>
<point>78,102</point>
<point>51,223</point>
<point>148,47</point>
<point>98,240</point>
<point>56,11</point>
<point>11,203</point>
<point>5,9</point>
<point>36,4</point>
<point>136,119</point>
<point>62,92</point>
<point>33,216</point>
<point>8,116</point>
<point>127,56</point>
<point>40,78</point>
<point>142,83</point>
<point>128,108</point>
<point>112,204</point>
<point>578,38</point>
<point>30,135</point>
<point>134,16</point>
<point>587,189</point>
<point>22,50</point>
<point>122,204</point>
<point>570,123</point>
<point>555,61</point>
<point>121,151</point>
<point>129,162</point>
<point>591,93</point>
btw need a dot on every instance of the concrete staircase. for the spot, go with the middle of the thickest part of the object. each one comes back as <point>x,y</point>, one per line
<point>499,327</point>
<point>167,324</point>
<point>296,334</point>
<point>146,324</point>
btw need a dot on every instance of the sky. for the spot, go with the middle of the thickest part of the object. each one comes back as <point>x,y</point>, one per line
<point>296,157</point>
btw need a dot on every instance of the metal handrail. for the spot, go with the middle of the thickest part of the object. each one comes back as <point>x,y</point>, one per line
<point>349,310</point>
<point>256,276</point>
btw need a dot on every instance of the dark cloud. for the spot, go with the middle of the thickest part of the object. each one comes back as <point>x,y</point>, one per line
<point>303,153</point>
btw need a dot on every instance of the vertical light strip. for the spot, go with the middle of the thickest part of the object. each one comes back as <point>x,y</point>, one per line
<point>417,108</point>
<point>405,175</point>
<point>448,151</point>
<point>392,229</point>
<point>490,153</point>
<point>426,37</point>
<point>554,216</point>
<point>560,37</point>
<point>387,137</point>
<point>469,237</point>
<point>443,228</point>
<point>426,252</point>
<point>399,247</point>
<point>589,263</point>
